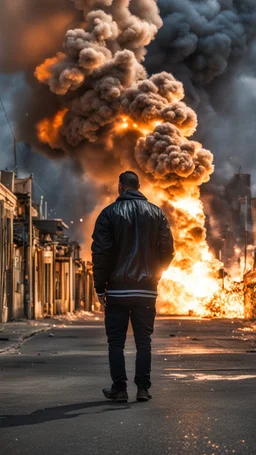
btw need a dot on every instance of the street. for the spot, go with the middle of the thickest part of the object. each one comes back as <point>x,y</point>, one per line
<point>204,392</point>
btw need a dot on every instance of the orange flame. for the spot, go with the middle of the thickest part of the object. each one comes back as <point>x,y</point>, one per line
<point>191,285</point>
<point>48,129</point>
<point>43,71</point>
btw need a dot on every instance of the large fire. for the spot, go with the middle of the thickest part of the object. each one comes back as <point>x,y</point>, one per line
<point>110,95</point>
<point>191,285</point>
<point>194,286</point>
<point>188,286</point>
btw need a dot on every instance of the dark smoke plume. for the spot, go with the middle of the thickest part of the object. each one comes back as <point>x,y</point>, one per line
<point>211,47</point>
<point>199,39</point>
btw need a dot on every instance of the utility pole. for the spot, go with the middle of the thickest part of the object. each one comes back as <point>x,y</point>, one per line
<point>28,266</point>
<point>41,217</point>
<point>15,158</point>
<point>45,210</point>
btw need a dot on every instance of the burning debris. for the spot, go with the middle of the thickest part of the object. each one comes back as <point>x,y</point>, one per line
<point>227,301</point>
<point>108,101</point>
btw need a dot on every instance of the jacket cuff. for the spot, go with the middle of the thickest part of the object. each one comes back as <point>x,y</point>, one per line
<point>100,290</point>
<point>100,294</point>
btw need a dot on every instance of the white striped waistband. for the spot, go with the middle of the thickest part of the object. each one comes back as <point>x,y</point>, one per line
<point>132,293</point>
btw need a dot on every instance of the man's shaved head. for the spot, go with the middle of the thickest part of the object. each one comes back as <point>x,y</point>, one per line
<point>129,180</point>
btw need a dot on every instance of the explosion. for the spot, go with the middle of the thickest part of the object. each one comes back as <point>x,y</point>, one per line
<point>110,100</point>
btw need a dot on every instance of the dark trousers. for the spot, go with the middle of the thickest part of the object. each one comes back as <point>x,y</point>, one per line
<point>142,315</point>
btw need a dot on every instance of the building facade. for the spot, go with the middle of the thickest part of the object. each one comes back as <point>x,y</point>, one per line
<point>41,272</point>
<point>8,209</point>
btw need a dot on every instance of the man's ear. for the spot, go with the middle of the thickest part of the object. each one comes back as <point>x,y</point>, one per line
<point>138,186</point>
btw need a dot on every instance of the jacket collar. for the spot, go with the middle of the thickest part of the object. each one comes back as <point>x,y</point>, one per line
<point>131,194</point>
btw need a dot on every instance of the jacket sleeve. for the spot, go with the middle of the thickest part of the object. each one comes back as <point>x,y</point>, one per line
<point>102,245</point>
<point>166,247</point>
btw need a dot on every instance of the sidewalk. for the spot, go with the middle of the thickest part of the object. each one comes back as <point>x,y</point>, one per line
<point>13,334</point>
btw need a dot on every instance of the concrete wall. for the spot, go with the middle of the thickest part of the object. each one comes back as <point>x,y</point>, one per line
<point>8,205</point>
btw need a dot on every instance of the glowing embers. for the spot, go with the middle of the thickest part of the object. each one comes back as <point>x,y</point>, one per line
<point>126,123</point>
<point>48,129</point>
<point>228,301</point>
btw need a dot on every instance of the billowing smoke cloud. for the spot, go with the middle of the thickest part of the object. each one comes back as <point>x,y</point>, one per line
<point>104,59</point>
<point>178,165</point>
<point>112,80</point>
<point>210,47</point>
<point>198,40</point>
<point>158,98</point>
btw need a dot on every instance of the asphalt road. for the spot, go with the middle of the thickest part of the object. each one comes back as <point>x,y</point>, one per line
<point>204,393</point>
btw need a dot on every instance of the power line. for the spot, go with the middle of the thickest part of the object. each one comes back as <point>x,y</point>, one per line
<point>38,186</point>
<point>16,142</point>
<point>9,124</point>
<point>6,116</point>
<point>14,137</point>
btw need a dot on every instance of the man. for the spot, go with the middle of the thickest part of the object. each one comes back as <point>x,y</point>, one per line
<point>132,246</point>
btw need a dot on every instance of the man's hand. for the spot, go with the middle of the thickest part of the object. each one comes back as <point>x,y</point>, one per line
<point>102,300</point>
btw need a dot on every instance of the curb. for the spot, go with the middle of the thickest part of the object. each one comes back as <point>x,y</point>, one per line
<point>23,339</point>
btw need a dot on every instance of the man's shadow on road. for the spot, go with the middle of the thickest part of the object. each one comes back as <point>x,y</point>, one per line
<point>59,412</point>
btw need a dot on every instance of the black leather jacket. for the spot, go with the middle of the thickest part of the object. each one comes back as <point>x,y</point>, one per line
<point>132,246</point>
